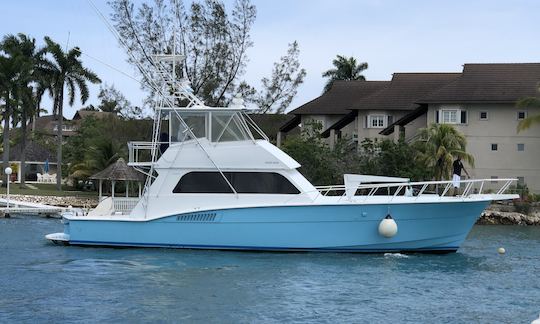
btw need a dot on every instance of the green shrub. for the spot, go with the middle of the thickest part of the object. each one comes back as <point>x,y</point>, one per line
<point>523,207</point>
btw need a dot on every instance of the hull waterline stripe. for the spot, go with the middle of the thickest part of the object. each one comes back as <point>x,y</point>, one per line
<point>257,248</point>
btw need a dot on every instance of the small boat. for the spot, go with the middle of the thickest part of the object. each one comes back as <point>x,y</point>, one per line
<point>214,181</point>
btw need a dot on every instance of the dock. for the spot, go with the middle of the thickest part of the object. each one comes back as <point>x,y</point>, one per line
<point>22,207</point>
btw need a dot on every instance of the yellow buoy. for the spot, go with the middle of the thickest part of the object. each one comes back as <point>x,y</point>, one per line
<point>501,250</point>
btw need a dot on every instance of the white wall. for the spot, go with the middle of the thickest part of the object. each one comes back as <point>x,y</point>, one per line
<point>500,128</point>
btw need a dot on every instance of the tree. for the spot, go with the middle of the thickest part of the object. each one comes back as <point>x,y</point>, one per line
<point>96,158</point>
<point>443,143</point>
<point>33,82</point>
<point>25,109</point>
<point>68,74</point>
<point>16,75</point>
<point>115,102</point>
<point>317,162</point>
<point>346,68</point>
<point>214,43</point>
<point>99,142</point>
<point>281,88</point>
<point>529,102</point>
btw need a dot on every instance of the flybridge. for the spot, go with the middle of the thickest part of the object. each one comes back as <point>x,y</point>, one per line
<point>182,117</point>
<point>213,125</point>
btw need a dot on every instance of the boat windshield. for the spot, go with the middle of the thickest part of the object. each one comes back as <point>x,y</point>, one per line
<point>215,125</point>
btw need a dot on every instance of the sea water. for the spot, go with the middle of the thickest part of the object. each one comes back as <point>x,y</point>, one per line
<point>42,282</point>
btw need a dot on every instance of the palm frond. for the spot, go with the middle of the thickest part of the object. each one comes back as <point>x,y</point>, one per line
<point>346,68</point>
<point>528,122</point>
<point>71,90</point>
<point>528,102</point>
<point>83,89</point>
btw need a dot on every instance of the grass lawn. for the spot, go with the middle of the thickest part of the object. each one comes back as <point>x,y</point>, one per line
<point>46,189</point>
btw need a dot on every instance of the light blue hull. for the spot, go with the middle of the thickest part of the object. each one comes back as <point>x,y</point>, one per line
<point>422,227</point>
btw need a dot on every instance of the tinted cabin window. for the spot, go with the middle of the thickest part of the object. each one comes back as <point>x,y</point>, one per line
<point>202,182</point>
<point>243,182</point>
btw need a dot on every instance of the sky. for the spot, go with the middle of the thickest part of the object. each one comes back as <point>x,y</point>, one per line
<point>390,35</point>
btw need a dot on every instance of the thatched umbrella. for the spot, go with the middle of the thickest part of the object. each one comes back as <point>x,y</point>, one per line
<point>118,171</point>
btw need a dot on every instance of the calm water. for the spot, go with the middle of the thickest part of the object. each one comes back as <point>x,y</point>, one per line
<point>41,282</point>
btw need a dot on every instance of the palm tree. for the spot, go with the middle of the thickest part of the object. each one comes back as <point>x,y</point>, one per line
<point>443,143</point>
<point>43,84</point>
<point>29,91</point>
<point>68,73</point>
<point>346,69</point>
<point>528,102</point>
<point>97,157</point>
<point>16,68</point>
<point>26,112</point>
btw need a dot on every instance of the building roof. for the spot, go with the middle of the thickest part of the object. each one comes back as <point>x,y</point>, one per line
<point>43,122</point>
<point>34,153</point>
<point>83,113</point>
<point>291,124</point>
<point>270,124</point>
<point>409,117</point>
<point>339,99</point>
<point>405,90</point>
<point>119,171</point>
<point>493,83</point>
<point>344,121</point>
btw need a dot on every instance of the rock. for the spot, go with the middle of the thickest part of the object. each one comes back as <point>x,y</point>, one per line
<point>81,202</point>
<point>495,217</point>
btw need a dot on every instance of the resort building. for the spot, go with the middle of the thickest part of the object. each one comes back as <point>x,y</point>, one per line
<point>48,125</point>
<point>480,102</point>
<point>40,163</point>
<point>335,105</point>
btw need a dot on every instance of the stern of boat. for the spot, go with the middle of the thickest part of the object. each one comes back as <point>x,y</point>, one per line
<point>58,238</point>
<point>61,238</point>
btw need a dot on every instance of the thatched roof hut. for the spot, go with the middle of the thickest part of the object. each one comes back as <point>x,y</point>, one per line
<point>118,171</point>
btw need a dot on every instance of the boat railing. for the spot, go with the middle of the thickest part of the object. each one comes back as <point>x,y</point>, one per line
<point>417,189</point>
<point>140,153</point>
<point>124,205</point>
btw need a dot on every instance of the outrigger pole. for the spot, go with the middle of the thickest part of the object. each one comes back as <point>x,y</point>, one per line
<point>157,61</point>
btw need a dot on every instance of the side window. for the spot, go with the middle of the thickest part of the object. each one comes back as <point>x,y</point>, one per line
<point>243,182</point>
<point>377,121</point>
<point>483,115</point>
<point>261,182</point>
<point>202,182</point>
<point>451,116</point>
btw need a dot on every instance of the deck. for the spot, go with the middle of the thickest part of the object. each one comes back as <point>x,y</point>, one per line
<point>20,207</point>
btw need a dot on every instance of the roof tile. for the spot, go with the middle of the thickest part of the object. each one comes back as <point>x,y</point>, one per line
<point>339,99</point>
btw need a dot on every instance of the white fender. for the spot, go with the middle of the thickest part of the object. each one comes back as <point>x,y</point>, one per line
<point>388,227</point>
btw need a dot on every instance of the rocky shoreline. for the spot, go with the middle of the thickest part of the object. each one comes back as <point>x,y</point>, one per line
<point>495,214</point>
<point>60,201</point>
<point>494,217</point>
<point>506,213</point>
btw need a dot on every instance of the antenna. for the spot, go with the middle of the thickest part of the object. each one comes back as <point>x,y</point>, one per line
<point>67,42</point>
<point>174,36</point>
